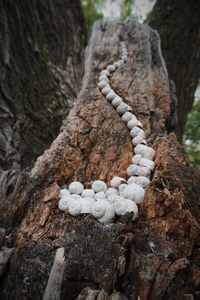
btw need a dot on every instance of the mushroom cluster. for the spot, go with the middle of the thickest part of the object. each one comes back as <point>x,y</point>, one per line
<point>122,195</point>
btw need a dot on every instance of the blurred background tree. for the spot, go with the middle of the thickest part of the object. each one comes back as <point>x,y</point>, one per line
<point>180,61</point>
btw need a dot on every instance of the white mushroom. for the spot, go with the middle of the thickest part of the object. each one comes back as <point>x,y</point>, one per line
<point>145,162</point>
<point>132,179</point>
<point>127,116</point>
<point>111,191</point>
<point>139,124</point>
<point>105,72</point>
<point>123,107</point>
<point>138,140</point>
<point>87,204</point>
<point>88,193</point>
<point>65,202</point>
<point>117,101</point>
<point>124,206</point>
<point>103,211</point>
<point>136,159</point>
<point>76,188</point>
<point>106,90</point>
<point>103,77</point>
<point>63,193</point>
<point>111,68</point>
<point>102,84</point>
<point>116,181</point>
<point>120,61</point>
<point>134,192</point>
<point>132,170</point>
<point>146,151</point>
<point>99,185</point>
<point>110,96</point>
<point>100,195</point>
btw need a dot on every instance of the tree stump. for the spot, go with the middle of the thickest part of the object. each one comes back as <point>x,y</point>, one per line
<point>154,257</point>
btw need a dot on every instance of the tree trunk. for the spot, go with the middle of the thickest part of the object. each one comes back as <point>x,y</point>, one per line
<point>40,77</point>
<point>154,257</point>
<point>178,24</point>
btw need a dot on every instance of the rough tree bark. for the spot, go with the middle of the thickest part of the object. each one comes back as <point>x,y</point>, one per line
<point>178,24</point>
<point>41,67</point>
<point>155,257</point>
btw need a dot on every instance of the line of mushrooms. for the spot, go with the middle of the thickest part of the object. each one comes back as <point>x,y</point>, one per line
<point>122,196</point>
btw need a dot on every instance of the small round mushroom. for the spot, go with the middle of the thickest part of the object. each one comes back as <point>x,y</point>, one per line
<point>76,188</point>
<point>75,196</point>
<point>99,186</point>
<point>113,198</point>
<point>116,181</point>
<point>116,64</point>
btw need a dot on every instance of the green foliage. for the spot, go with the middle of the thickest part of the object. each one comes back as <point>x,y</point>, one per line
<point>192,134</point>
<point>90,9</point>
<point>126,8</point>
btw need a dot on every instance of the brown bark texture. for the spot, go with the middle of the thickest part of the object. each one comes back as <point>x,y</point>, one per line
<point>41,68</point>
<point>178,24</point>
<point>155,257</point>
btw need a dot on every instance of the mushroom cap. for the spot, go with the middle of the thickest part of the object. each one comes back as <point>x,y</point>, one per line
<point>138,140</point>
<point>99,185</point>
<point>110,96</point>
<point>136,159</point>
<point>122,108</point>
<point>98,209</point>
<point>105,72</point>
<point>111,68</point>
<point>106,90</point>
<point>76,188</point>
<point>103,77</point>
<point>100,195</point>
<point>121,187</point>
<point>102,84</point>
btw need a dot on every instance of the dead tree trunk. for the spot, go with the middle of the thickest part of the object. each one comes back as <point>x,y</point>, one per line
<point>155,257</point>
